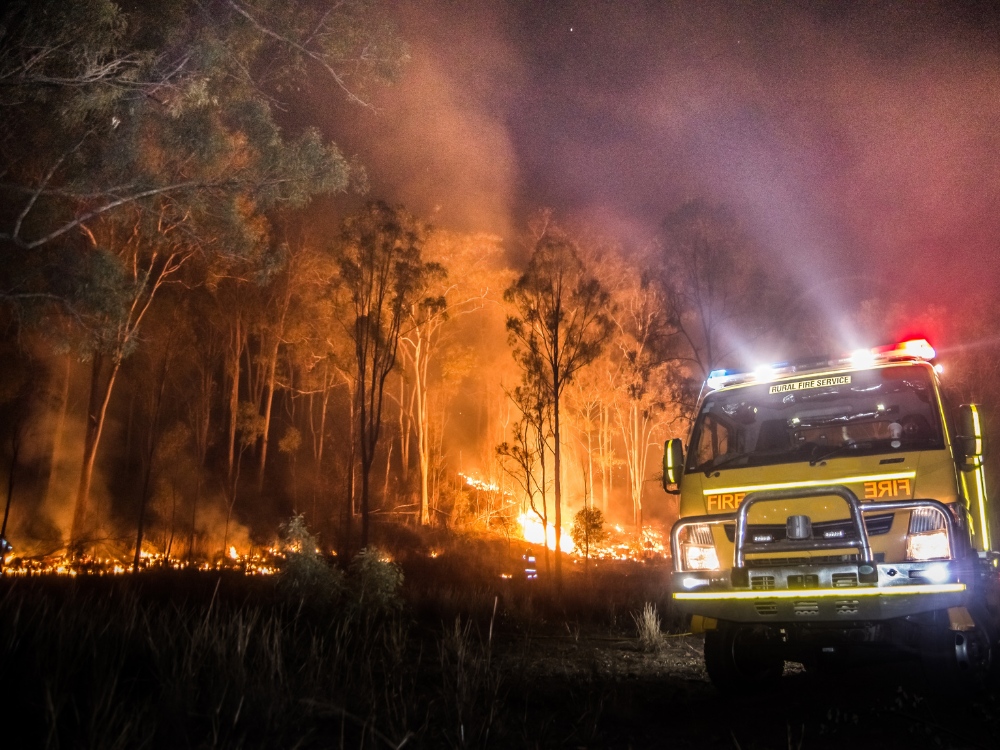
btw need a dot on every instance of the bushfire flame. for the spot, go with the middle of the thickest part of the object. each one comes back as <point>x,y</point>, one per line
<point>258,563</point>
<point>620,544</point>
<point>535,532</point>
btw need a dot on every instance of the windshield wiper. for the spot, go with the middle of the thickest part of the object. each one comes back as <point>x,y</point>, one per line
<point>724,462</point>
<point>834,451</point>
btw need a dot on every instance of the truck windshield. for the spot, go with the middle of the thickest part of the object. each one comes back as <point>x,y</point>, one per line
<point>811,419</point>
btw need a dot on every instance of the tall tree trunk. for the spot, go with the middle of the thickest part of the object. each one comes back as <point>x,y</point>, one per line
<point>268,402</point>
<point>405,429</point>
<point>351,465</point>
<point>545,507</point>
<point>319,442</point>
<point>100,396</point>
<point>637,470</point>
<point>235,352</point>
<point>557,458</point>
<point>15,449</point>
<point>423,431</point>
<point>150,454</point>
<point>365,473</point>
<point>388,466</point>
<point>58,432</point>
<point>194,518</point>
<point>607,458</point>
<point>173,519</point>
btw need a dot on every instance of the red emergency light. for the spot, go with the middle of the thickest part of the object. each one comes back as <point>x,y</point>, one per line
<point>912,349</point>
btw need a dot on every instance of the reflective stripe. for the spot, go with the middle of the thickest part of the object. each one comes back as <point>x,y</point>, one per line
<point>845,592</point>
<point>812,483</point>
<point>983,522</point>
<point>977,429</point>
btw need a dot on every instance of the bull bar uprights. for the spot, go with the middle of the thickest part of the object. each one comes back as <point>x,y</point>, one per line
<point>857,510</point>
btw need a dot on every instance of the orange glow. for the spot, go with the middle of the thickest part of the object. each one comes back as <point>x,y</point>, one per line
<point>535,532</point>
<point>480,484</point>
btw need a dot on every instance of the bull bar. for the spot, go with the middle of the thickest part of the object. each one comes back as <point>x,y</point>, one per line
<point>882,590</point>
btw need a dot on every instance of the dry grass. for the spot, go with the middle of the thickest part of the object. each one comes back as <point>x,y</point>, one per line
<point>647,624</point>
<point>451,660</point>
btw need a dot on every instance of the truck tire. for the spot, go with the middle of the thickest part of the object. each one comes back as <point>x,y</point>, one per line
<point>957,660</point>
<point>738,657</point>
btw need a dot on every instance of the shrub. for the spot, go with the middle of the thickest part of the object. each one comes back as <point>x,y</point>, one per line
<point>305,574</point>
<point>588,528</point>
<point>376,580</point>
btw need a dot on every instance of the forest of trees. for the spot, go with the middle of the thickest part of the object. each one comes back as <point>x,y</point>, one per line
<point>206,330</point>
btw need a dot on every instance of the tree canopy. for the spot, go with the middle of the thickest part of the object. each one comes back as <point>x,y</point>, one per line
<point>174,107</point>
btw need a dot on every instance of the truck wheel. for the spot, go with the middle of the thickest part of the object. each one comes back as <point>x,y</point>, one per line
<point>737,658</point>
<point>957,660</point>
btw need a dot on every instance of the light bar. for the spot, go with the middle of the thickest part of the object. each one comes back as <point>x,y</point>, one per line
<point>914,349</point>
<point>721,378</point>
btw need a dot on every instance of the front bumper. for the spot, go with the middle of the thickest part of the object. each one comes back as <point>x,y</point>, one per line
<point>900,591</point>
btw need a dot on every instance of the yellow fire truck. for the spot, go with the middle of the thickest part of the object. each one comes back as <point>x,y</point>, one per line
<point>832,510</point>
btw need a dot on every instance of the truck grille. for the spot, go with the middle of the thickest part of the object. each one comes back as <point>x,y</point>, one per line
<point>765,609</point>
<point>805,609</point>
<point>776,562</point>
<point>846,606</point>
<point>762,583</point>
<point>845,580</point>
<point>842,607</point>
<point>842,529</point>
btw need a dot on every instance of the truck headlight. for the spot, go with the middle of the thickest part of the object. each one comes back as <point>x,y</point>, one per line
<point>698,551</point>
<point>697,557</point>
<point>927,538</point>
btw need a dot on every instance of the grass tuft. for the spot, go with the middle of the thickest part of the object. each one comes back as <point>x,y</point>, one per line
<point>647,624</point>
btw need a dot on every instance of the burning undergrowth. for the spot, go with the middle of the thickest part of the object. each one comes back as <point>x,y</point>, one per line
<point>490,512</point>
<point>502,511</point>
<point>384,651</point>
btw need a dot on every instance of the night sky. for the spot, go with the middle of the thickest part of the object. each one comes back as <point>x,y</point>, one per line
<point>857,142</point>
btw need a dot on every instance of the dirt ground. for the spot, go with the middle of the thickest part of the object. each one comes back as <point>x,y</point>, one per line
<point>592,691</point>
<point>592,686</point>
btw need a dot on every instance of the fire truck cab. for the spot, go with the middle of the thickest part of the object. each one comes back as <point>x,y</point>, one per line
<point>835,509</point>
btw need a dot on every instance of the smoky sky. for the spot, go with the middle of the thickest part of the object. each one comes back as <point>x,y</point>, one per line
<point>857,142</point>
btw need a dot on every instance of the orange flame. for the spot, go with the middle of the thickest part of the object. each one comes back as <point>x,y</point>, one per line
<point>534,531</point>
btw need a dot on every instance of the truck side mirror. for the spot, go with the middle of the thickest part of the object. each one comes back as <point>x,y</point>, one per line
<point>971,443</point>
<point>673,465</point>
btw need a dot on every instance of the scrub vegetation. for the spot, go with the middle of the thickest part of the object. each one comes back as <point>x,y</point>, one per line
<point>417,652</point>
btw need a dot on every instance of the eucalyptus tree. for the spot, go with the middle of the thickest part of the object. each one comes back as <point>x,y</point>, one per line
<point>155,374</point>
<point>424,337</point>
<point>648,377</point>
<point>559,324</point>
<point>107,105</point>
<point>134,262</point>
<point>164,111</point>
<point>382,273</point>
